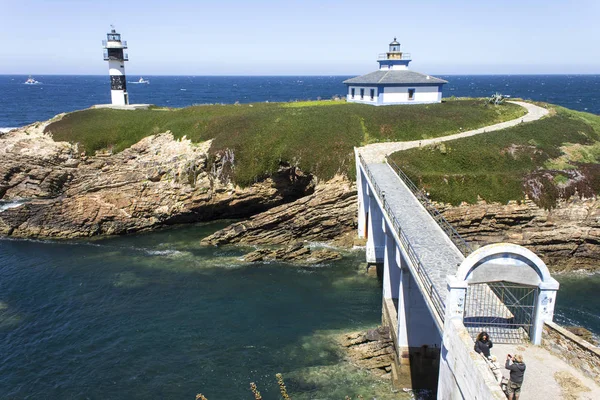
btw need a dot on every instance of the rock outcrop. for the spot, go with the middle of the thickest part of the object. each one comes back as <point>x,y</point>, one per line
<point>54,191</point>
<point>372,350</point>
<point>158,181</point>
<point>566,237</point>
<point>327,214</point>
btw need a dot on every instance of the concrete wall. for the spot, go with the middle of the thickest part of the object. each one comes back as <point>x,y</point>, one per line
<point>367,96</point>
<point>463,373</point>
<point>421,328</point>
<point>572,349</point>
<point>423,94</point>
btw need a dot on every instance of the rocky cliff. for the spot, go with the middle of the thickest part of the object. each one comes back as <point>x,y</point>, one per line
<point>158,181</point>
<point>566,237</point>
<point>53,191</point>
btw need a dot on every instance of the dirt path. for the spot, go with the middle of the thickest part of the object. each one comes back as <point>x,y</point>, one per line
<point>376,152</point>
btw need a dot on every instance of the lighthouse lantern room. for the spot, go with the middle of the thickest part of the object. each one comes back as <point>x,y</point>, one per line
<point>116,57</point>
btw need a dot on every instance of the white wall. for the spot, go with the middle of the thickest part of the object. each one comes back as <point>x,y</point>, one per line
<point>464,374</point>
<point>116,68</point>
<point>117,97</point>
<point>367,96</point>
<point>396,67</point>
<point>423,94</point>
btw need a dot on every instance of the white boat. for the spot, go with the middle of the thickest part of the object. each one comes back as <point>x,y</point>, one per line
<point>142,80</point>
<point>31,81</point>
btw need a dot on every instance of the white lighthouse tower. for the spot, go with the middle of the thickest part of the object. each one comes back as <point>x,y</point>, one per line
<point>113,53</point>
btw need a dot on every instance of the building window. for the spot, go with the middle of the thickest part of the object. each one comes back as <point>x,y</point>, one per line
<point>372,94</point>
<point>352,93</point>
<point>362,94</point>
<point>411,94</point>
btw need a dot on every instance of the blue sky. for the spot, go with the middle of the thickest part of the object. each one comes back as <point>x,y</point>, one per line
<point>308,37</point>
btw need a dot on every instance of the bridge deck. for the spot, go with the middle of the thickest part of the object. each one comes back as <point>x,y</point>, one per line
<point>435,250</point>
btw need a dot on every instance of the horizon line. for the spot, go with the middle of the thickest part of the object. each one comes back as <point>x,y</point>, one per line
<point>315,75</point>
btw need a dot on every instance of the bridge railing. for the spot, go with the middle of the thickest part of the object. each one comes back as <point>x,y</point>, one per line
<point>458,241</point>
<point>435,296</point>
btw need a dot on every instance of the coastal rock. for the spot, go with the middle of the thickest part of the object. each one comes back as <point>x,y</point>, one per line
<point>372,350</point>
<point>582,333</point>
<point>566,237</point>
<point>329,213</point>
<point>158,181</point>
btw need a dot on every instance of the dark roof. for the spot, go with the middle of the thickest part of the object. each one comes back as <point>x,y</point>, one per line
<point>394,43</point>
<point>392,77</point>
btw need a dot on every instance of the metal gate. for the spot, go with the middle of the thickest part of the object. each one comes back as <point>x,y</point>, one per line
<point>505,310</point>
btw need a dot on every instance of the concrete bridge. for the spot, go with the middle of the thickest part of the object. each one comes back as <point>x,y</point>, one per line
<point>438,293</point>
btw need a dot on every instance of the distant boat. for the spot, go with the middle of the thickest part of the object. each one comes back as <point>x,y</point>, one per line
<point>31,81</point>
<point>142,80</point>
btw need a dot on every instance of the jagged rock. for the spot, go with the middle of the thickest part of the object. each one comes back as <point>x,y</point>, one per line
<point>566,237</point>
<point>158,181</point>
<point>582,333</point>
<point>372,350</point>
<point>328,213</point>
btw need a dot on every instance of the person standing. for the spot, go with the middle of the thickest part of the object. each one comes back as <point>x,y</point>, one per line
<point>516,366</point>
<point>483,344</point>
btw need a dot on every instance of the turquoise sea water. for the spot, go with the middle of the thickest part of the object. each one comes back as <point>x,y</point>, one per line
<point>157,316</point>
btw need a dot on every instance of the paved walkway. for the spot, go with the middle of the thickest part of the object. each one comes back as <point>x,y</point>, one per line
<point>435,250</point>
<point>376,152</point>
<point>540,381</point>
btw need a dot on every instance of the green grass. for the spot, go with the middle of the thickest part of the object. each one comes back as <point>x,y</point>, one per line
<point>545,160</point>
<point>318,137</point>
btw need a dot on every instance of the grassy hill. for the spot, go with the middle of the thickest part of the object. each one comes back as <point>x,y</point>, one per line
<point>547,159</point>
<point>318,137</point>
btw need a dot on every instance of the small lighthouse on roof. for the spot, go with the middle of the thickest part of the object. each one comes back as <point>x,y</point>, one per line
<point>113,53</point>
<point>394,83</point>
<point>394,59</point>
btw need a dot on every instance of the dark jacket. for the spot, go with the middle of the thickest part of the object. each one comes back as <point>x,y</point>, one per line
<point>483,347</point>
<point>517,370</point>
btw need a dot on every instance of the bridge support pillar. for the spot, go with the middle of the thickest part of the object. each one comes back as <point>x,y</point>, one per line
<point>391,269</point>
<point>362,189</point>
<point>417,336</point>
<point>375,234</point>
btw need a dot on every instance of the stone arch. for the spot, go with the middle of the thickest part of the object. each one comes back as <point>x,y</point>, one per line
<point>505,262</point>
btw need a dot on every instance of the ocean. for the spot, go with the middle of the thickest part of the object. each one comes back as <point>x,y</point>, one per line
<point>157,316</point>
<point>22,104</point>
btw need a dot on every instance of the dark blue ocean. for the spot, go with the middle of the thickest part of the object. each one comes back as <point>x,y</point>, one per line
<point>22,104</point>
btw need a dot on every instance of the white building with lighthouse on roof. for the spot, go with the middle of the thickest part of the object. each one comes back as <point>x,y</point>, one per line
<point>114,53</point>
<point>394,83</point>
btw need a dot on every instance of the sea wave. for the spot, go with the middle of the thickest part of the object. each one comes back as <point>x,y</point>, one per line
<point>8,129</point>
<point>161,252</point>
<point>6,205</point>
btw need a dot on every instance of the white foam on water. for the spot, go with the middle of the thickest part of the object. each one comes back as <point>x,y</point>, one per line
<point>162,252</point>
<point>10,204</point>
<point>5,130</point>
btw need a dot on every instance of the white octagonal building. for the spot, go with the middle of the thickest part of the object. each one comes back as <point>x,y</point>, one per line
<point>394,83</point>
